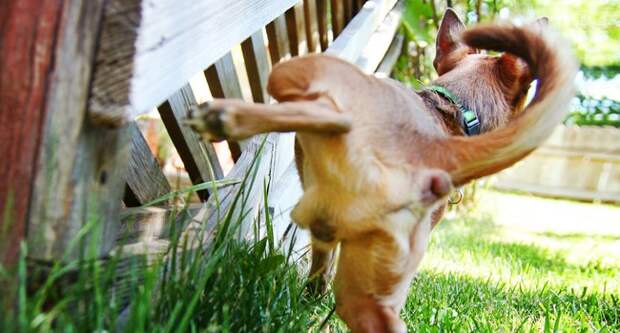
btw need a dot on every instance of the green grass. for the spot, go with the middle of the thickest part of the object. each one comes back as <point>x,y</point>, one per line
<point>485,275</point>
<point>227,285</point>
<point>482,273</point>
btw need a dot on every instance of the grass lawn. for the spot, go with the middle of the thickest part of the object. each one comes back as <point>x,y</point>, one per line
<point>519,263</point>
<point>515,263</point>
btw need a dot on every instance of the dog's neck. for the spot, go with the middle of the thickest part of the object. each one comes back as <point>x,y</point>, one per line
<point>490,106</point>
<point>448,114</point>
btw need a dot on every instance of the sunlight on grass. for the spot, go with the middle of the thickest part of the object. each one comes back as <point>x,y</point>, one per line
<point>490,270</point>
<point>521,263</point>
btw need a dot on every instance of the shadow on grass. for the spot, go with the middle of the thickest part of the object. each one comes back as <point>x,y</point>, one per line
<point>453,302</point>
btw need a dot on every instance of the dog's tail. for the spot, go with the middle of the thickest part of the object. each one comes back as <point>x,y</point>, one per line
<point>552,63</point>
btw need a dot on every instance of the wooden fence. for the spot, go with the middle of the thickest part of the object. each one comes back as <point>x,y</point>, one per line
<point>79,73</point>
<point>581,163</point>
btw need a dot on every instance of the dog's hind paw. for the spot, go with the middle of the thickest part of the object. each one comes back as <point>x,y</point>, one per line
<point>208,120</point>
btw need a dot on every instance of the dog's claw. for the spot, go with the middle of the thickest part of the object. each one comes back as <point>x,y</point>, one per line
<point>207,121</point>
<point>192,122</point>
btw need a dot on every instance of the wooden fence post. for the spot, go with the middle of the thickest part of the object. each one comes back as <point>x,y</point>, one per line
<point>59,170</point>
<point>29,30</point>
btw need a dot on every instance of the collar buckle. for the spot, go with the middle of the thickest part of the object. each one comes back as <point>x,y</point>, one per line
<point>471,123</point>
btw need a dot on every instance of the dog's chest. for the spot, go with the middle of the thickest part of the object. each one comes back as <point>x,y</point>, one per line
<point>350,193</point>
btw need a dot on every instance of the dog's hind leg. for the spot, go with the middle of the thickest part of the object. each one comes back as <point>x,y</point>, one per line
<point>234,119</point>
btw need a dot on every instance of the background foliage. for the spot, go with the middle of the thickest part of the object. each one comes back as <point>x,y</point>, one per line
<point>591,26</point>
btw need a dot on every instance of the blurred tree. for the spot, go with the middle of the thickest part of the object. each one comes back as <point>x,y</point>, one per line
<point>592,26</point>
<point>594,112</point>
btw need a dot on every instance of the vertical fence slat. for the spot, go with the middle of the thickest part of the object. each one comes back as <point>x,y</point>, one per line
<point>321,12</point>
<point>291,29</point>
<point>274,51</point>
<point>224,83</point>
<point>379,43</point>
<point>195,154</point>
<point>348,10</point>
<point>277,36</point>
<point>222,78</point>
<point>296,29</point>
<point>301,28</point>
<point>283,39</point>
<point>144,178</point>
<point>310,20</point>
<point>359,4</point>
<point>257,65</point>
<point>391,56</point>
<point>80,177</point>
<point>22,109</point>
<point>337,17</point>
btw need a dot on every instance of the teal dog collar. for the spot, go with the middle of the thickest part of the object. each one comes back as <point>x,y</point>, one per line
<point>471,122</point>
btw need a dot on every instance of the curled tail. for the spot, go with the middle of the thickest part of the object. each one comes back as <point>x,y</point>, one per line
<point>552,63</point>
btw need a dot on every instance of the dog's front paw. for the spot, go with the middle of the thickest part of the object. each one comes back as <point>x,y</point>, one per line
<point>209,121</point>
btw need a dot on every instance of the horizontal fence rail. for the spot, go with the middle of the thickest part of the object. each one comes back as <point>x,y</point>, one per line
<point>178,37</point>
<point>585,163</point>
<point>95,164</point>
<point>365,40</point>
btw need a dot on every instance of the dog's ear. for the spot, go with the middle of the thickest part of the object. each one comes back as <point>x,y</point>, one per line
<point>511,67</point>
<point>515,76</point>
<point>448,48</point>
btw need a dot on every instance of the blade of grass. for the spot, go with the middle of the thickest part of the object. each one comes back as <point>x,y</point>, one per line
<point>213,185</point>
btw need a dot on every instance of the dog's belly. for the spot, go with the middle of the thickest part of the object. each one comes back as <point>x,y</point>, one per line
<point>347,189</point>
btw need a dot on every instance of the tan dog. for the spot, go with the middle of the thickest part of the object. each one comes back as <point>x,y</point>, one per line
<point>378,160</point>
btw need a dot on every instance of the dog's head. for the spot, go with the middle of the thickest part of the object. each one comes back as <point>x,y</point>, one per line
<point>375,270</point>
<point>495,86</point>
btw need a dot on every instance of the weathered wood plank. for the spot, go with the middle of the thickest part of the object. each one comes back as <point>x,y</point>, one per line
<point>585,161</point>
<point>296,30</point>
<point>282,38</point>
<point>80,166</point>
<point>337,11</point>
<point>224,83</point>
<point>141,224</point>
<point>391,56</point>
<point>361,3</point>
<point>284,195</point>
<point>222,78</point>
<point>138,62</point>
<point>310,20</point>
<point>257,65</point>
<point>199,158</point>
<point>357,5</point>
<point>275,161</point>
<point>321,11</point>
<point>145,239</point>
<point>145,179</point>
<point>291,29</point>
<point>28,29</point>
<point>274,158</point>
<point>348,10</point>
<point>300,21</point>
<point>380,41</point>
<point>272,37</point>
<point>354,37</point>
<point>83,184</point>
